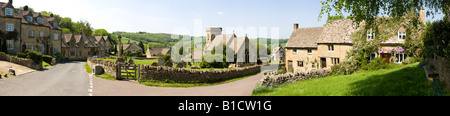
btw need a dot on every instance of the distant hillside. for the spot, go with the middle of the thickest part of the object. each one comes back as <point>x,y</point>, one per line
<point>162,39</point>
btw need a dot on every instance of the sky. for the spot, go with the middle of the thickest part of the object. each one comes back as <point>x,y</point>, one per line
<point>257,18</point>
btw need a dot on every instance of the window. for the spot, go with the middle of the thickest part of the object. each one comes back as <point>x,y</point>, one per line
<point>107,43</point>
<point>294,51</point>
<point>55,25</point>
<point>309,51</point>
<point>330,48</point>
<point>31,33</point>
<point>370,35</point>
<point>300,63</point>
<point>9,11</point>
<point>40,21</point>
<point>399,58</point>
<point>401,36</point>
<point>55,36</point>
<point>335,60</point>
<point>10,44</point>
<point>10,27</point>
<point>41,34</point>
<point>30,19</point>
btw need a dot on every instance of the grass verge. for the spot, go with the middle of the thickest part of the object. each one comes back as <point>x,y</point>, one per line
<point>104,75</point>
<point>407,80</point>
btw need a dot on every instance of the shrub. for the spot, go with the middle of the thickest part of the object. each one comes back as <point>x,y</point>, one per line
<point>59,58</point>
<point>48,59</point>
<point>22,55</point>
<point>375,64</point>
<point>214,64</point>
<point>35,56</point>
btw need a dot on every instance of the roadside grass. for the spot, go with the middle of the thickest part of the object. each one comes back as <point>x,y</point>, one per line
<point>104,75</point>
<point>45,64</point>
<point>168,83</point>
<point>409,80</point>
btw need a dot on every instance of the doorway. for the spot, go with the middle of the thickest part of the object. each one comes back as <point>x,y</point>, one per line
<point>385,57</point>
<point>290,66</point>
<point>323,62</point>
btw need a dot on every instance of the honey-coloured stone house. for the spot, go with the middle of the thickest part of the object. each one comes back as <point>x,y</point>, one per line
<point>324,47</point>
<point>29,30</point>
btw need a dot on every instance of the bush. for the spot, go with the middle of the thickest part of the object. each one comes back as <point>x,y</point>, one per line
<point>59,58</point>
<point>376,64</point>
<point>22,55</point>
<point>214,64</point>
<point>48,59</point>
<point>35,56</point>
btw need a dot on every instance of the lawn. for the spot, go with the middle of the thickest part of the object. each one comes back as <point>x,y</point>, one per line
<point>407,80</point>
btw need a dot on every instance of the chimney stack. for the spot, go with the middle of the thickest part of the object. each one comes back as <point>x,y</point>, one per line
<point>422,15</point>
<point>10,1</point>
<point>295,26</point>
<point>25,8</point>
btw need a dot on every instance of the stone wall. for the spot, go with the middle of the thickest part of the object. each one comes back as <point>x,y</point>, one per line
<point>442,66</point>
<point>277,80</point>
<point>191,75</point>
<point>108,67</point>
<point>20,61</point>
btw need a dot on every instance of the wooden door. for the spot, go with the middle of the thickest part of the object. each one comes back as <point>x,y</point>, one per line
<point>385,57</point>
<point>290,66</point>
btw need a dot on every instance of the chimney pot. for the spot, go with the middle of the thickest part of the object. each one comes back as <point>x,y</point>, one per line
<point>295,26</point>
<point>25,8</point>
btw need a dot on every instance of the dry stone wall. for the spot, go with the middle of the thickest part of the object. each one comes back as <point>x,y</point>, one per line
<point>442,67</point>
<point>191,75</point>
<point>21,61</point>
<point>280,79</point>
<point>108,67</point>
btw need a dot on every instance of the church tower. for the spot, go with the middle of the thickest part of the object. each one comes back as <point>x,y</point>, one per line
<point>211,33</point>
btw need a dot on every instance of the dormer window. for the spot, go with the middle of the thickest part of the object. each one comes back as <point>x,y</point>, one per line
<point>55,25</point>
<point>9,11</point>
<point>401,35</point>
<point>40,21</point>
<point>370,35</point>
<point>30,19</point>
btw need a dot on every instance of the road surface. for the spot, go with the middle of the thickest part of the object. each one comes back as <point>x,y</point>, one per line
<point>70,79</point>
<point>67,79</point>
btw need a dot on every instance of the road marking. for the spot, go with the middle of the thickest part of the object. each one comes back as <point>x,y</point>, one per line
<point>91,85</point>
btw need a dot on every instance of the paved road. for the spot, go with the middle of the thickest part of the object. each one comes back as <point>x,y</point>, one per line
<point>68,79</point>
<point>242,87</point>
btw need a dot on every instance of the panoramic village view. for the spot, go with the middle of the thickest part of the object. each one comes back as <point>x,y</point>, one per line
<point>362,49</point>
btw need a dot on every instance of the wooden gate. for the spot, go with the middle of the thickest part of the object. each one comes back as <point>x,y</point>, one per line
<point>127,71</point>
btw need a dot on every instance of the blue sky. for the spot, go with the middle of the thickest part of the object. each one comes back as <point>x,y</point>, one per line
<point>163,16</point>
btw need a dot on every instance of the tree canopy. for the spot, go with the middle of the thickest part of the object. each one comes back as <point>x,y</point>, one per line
<point>368,10</point>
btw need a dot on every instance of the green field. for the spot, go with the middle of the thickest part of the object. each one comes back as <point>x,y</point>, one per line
<point>407,80</point>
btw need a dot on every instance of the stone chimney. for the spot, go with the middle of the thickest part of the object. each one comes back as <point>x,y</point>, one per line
<point>295,26</point>
<point>422,15</point>
<point>10,1</point>
<point>25,8</point>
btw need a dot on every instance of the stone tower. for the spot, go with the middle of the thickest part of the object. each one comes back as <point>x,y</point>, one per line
<point>211,33</point>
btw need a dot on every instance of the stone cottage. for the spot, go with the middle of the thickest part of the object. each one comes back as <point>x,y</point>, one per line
<point>155,52</point>
<point>324,47</point>
<point>133,47</point>
<point>25,29</point>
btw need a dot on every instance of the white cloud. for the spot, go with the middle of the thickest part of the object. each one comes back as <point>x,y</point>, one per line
<point>220,13</point>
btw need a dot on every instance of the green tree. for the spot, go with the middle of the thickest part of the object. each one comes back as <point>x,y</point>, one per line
<point>65,30</point>
<point>67,23</point>
<point>336,17</point>
<point>84,27</point>
<point>142,46</point>
<point>368,10</point>
<point>101,32</point>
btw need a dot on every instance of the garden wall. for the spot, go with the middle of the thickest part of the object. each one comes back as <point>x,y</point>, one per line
<point>20,61</point>
<point>108,67</point>
<point>191,75</point>
<point>276,80</point>
<point>442,66</point>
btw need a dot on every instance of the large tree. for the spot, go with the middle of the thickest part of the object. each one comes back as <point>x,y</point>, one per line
<point>368,10</point>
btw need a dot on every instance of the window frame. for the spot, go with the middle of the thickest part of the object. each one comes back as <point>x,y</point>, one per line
<point>401,35</point>
<point>30,19</point>
<point>41,34</point>
<point>10,44</point>
<point>370,35</point>
<point>300,64</point>
<point>40,21</point>
<point>31,33</point>
<point>310,51</point>
<point>9,12</point>
<point>400,57</point>
<point>331,48</point>
<point>9,27</point>
<point>294,51</point>
<point>55,37</point>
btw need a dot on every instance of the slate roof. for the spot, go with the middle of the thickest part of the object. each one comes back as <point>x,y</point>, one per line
<point>305,37</point>
<point>337,31</point>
